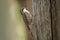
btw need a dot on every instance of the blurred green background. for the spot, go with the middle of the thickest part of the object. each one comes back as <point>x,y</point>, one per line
<point>12,26</point>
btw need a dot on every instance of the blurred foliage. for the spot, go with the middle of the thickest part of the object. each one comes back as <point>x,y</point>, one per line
<point>21,26</point>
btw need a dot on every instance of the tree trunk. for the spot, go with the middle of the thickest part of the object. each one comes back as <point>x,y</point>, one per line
<point>42,19</point>
<point>55,11</point>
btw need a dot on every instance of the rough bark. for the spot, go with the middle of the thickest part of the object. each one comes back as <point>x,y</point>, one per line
<point>42,19</point>
<point>58,18</point>
<point>53,17</point>
<point>55,11</point>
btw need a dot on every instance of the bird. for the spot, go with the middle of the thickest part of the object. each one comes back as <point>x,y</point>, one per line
<point>27,17</point>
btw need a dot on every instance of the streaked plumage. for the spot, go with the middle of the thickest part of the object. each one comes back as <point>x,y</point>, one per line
<point>27,17</point>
